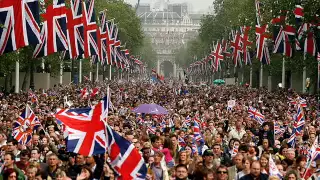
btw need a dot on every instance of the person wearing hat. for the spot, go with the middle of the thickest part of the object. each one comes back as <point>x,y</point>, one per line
<point>207,164</point>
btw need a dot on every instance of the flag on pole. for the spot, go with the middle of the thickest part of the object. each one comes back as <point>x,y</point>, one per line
<point>24,127</point>
<point>273,170</point>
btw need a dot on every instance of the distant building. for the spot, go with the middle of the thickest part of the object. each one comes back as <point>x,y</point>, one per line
<point>169,26</point>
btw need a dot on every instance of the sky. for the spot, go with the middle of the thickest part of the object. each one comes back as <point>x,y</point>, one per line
<point>197,5</point>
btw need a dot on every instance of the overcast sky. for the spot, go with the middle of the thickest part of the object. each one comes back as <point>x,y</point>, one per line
<point>197,5</point>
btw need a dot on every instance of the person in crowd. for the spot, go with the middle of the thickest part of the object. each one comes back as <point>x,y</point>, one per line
<point>255,172</point>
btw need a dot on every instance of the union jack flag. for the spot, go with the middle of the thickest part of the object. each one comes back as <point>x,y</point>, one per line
<point>151,130</point>
<point>33,97</point>
<point>75,29</point>
<point>53,30</point>
<point>125,158</point>
<point>306,35</point>
<point>225,50</point>
<point>117,44</point>
<point>91,30</point>
<point>292,139</point>
<point>24,127</point>
<point>19,24</point>
<point>314,151</point>
<point>282,42</point>
<point>217,55</point>
<point>236,49</point>
<point>103,36</point>
<point>299,101</point>
<point>110,41</point>
<point>245,44</point>
<point>86,128</point>
<point>256,115</point>
<point>278,130</point>
<point>196,131</point>
<point>94,92</point>
<point>181,141</point>
<point>299,120</point>
<point>261,44</point>
<point>187,121</point>
<point>273,170</point>
<point>84,92</point>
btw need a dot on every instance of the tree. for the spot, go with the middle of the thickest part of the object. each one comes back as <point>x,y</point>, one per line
<point>147,53</point>
<point>130,31</point>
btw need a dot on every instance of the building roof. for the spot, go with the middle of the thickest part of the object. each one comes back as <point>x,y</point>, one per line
<point>159,15</point>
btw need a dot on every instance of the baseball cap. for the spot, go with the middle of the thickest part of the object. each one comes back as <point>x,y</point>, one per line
<point>207,152</point>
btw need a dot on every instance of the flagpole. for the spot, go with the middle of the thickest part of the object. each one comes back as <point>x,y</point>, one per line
<point>250,85</point>
<point>304,76</point>
<point>110,72</point>
<point>318,88</point>
<point>16,89</point>
<point>261,75</point>
<point>80,71</point>
<point>283,72</point>
<point>61,72</point>
<point>97,78</point>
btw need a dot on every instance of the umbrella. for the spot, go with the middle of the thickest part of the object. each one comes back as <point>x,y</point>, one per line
<point>150,109</point>
<point>219,81</point>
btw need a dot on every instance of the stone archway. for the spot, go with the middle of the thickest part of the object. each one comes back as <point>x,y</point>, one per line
<point>165,65</point>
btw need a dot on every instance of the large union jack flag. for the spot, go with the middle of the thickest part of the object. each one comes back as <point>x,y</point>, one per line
<point>53,30</point>
<point>86,128</point>
<point>24,127</point>
<point>125,158</point>
<point>19,24</point>
<point>75,29</point>
<point>256,115</point>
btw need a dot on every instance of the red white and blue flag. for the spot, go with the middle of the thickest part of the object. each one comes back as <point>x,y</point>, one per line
<point>282,42</point>
<point>86,128</point>
<point>217,55</point>
<point>24,127</point>
<point>273,170</point>
<point>75,29</point>
<point>261,43</point>
<point>299,120</point>
<point>53,30</point>
<point>91,30</point>
<point>299,101</point>
<point>278,130</point>
<point>256,115</point>
<point>104,36</point>
<point>245,44</point>
<point>196,131</point>
<point>125,158</point>
<point>19,24</point>
<point>236,49</point>
<point>110,41</point>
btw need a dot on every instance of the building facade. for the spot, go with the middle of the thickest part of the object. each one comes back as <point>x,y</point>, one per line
<point>169,26</point>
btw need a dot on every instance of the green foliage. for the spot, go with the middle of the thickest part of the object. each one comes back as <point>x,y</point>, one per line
<point>130,31</point>
<point>231,14</point>
<point>147,53</point>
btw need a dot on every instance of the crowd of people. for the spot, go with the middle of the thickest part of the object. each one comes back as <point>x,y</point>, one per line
<point>228,145</point>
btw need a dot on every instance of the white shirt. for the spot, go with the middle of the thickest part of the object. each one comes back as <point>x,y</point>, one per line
<point>236,134</point>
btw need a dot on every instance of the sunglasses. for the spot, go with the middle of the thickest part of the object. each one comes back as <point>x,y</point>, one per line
<point>222,172</point>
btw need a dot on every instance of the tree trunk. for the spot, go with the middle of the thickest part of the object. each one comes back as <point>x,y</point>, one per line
<point>32,76</point>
